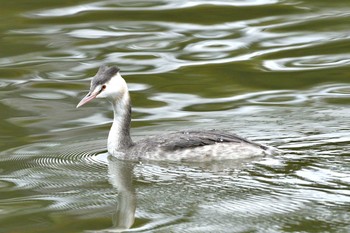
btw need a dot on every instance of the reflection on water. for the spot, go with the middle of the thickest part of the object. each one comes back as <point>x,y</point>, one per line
<point>152,46</point>
<point>121,176</point>
<point>167,196</point>
<point>273,71</point>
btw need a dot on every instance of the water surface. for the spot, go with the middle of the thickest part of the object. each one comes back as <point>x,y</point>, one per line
<point>276,72</point>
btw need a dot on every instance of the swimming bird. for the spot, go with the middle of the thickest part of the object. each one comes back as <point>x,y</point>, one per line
<point>193,145</point>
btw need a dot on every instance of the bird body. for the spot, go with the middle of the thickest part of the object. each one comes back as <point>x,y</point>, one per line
<point>193,146</point>
<point>204,145</point>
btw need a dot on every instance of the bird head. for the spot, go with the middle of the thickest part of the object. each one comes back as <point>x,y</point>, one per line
<point>107,83</point>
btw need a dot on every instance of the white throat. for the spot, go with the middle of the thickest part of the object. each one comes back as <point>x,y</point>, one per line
<point>119,135</point>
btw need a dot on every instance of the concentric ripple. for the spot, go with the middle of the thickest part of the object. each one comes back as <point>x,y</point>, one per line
<point>34,170</point>
<point>276,72</point>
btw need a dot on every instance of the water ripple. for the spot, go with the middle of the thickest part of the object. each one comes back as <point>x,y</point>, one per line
<point>308,62</point>
<point>260,61</point>
<point>35,170</point>
<point>140,5</point>
<point>194,45</point>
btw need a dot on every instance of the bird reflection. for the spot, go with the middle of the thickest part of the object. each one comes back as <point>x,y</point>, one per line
<point>121,176</point>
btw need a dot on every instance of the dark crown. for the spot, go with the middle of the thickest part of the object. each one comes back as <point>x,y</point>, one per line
<point>103,75</point>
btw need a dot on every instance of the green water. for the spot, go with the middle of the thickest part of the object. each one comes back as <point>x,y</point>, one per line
<point>276,72</point>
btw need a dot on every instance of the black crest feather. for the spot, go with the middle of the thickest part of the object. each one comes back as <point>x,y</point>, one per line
<point>103,75</point>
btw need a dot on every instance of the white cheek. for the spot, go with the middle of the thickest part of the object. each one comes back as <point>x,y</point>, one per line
<point>114,88</point>
<point>101,95</point>
<point>104,94</point>
<point>108,93</point>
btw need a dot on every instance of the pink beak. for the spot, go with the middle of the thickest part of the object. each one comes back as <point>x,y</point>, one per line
<point>87,98</point>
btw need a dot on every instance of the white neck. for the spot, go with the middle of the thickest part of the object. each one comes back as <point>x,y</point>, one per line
<point>119,136</point>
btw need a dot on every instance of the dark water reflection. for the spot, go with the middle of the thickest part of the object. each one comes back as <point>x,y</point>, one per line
<point>84,184</point>
<point>274,71</point>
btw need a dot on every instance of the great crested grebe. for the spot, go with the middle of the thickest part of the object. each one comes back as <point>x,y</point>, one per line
<point>203,145</point>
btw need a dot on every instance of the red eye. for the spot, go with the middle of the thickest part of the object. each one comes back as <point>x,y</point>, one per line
<point>102,88</point>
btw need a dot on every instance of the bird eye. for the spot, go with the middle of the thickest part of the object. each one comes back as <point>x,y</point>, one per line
<point>102,88</point>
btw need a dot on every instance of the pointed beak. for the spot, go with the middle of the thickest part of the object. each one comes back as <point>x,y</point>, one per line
<point>90,96</point>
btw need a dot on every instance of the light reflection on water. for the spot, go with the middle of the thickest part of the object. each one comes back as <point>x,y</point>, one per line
<point>168,195</point>
<point>273,71</point>
<point>309,176</point>
<point>308,62</point>
<point>140,6</point>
